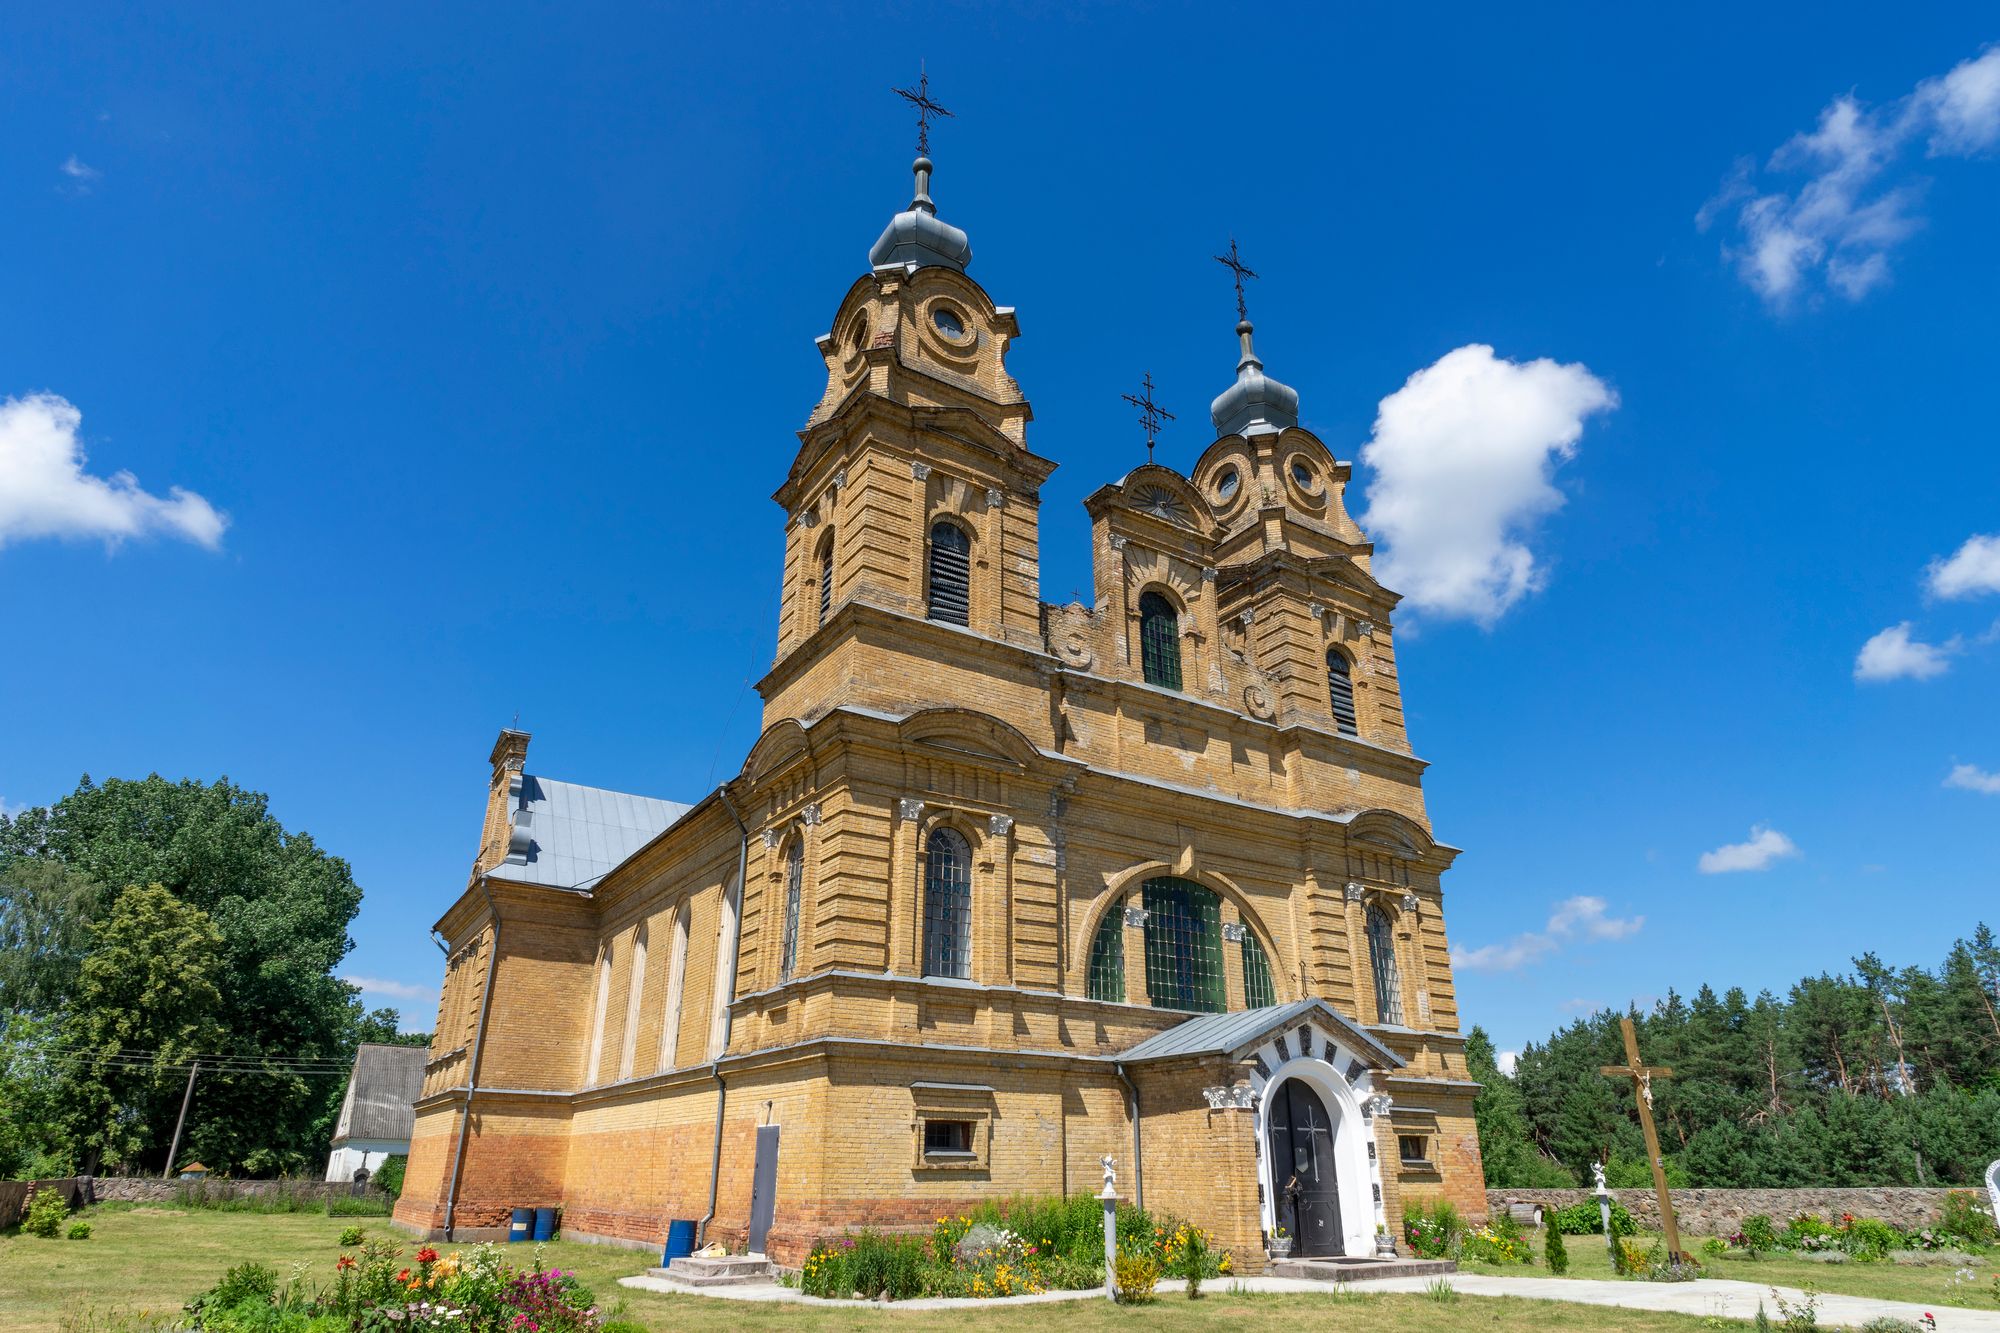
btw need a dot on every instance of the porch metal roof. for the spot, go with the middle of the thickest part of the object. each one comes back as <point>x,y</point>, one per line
<point>1237,1034</point>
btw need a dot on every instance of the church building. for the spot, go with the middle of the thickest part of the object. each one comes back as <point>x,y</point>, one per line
<point>1004,887</point>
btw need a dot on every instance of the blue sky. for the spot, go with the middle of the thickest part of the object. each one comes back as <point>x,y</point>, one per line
<point>476,342</point>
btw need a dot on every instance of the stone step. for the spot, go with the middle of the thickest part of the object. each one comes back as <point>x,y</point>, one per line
<point>1360,1269</point>
<point>733,1270</point>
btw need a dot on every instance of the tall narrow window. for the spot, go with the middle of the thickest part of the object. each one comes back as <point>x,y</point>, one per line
<point>1183,946</point>
<point>1258,992</point>
<point>597,1024</point>
<point>1160,641</point>
<point>635,995</point>
<point>795,874</point>
<point>727,940</point>
<point>1106,978</point>
<point>670,1021</point>
<point>825,577</point>
<point>947,906</point>
<point>1340,689</point>
<point>951,574</point>
<point>1382,960</point>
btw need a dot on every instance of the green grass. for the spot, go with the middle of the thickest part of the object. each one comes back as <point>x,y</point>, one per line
<point>1588,1258</point>
<point>144,1262</point>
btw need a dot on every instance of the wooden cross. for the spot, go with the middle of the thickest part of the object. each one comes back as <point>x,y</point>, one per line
<point>1642,1077</point>
<point>920,98</point>
<point>1234,263</point>
<point>1151,414</point>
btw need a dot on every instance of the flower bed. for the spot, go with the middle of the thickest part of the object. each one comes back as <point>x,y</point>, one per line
<point>1961,1225</point>
<point>479,1290</point>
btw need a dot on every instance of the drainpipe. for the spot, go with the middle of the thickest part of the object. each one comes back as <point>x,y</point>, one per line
<point>715,1066</point>
<point>472,1073</point>
<point>1138,1159</point>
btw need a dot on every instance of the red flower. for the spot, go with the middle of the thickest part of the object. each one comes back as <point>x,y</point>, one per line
<point>427,1255</point>
<point>403,1276</point>
<point>344,1262</point>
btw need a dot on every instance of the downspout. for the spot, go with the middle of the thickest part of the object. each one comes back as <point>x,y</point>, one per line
<point>1138,1159</point>
<point>472,1072</point>
<point>715,1066</point>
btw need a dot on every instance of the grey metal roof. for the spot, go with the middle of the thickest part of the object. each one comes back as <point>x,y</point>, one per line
<point>567,836</point>
<point>386,1079</point>
<point>1237,1034</point>
<point>1256,402</point>
<point>918,237</point>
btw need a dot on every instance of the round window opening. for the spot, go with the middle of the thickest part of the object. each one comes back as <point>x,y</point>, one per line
<point>947,321</point>
<point>1226,484</point>
<point>1303,475</point>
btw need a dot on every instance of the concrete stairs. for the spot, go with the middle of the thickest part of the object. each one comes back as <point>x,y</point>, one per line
<point>730,1270</point>
<point>1360,1269</point>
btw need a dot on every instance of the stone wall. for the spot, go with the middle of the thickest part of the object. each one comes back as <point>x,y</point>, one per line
<point>148,1189</point>
<point>1711,1212</point>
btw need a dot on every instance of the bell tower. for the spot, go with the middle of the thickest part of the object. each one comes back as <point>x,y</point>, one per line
<point>918,442</point>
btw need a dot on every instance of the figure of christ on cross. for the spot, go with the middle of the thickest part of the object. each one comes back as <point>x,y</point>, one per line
<point>1642,1077</point>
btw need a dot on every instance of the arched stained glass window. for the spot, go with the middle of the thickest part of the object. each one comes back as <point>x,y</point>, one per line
<point>795,874</point>
<point>947,906</point>
<point>1340,690</point>
<point>1382,961</point>
<point>950,597</point>
<point>1160,641</point>
<point>1183,946</point>
<point>1106,977</point>
<point>1258,993</point>
<point>825,577</point>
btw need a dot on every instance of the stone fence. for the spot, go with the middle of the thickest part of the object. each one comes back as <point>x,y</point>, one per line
<point>147,1189</point>
<point>1719,1212</point>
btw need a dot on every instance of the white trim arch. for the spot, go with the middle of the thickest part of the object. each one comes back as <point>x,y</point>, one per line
<point>1357,1170</point>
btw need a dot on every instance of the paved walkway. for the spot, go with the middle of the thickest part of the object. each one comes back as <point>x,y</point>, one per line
<point>1707,1296</point>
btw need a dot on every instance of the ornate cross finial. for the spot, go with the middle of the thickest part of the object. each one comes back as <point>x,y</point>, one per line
<point>920,98</point>
<point>1234,263</point>
<point>1151,414</point>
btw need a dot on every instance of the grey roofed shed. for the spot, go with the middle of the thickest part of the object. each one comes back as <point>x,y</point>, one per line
<point>385,1081</point>
<point>567,836</point>
<point>1237,1034</point>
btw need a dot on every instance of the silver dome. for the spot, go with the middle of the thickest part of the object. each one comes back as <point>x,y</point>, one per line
<point>1256,403</point>
<point>917,237</point>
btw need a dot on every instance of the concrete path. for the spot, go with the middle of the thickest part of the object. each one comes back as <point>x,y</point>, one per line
<point>1708,1296</point>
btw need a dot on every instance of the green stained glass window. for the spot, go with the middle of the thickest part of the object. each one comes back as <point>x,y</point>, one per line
<point>1107,957</point>
<point>1183,946</point>
<point>1160,641</point>
<point>1258,992</point>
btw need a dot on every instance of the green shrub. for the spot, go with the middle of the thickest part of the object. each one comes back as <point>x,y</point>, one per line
<point>351,1236</point>
<point>46,1210</point>
<point>1869,1239</point>
<point>1554,1254</point>
<point>389,1179</point>
<point>1584,1219</point>
<point>79,1230</point>
<point>1138,1274</point>
<point>1714,1247</point>
<point>1432,1231</point>
<point>357,1205</point>
<point>1758,1235</point>
<point>248,1283</point>
<point>1961,1215</point>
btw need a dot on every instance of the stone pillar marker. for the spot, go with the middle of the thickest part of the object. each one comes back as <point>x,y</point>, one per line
<point>1109,1196</point>
<point>1642,1077</point>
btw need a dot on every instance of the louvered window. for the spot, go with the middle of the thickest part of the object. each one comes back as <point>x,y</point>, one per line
<point>947,906</point>
<point>951,574</point>
<point>1382,958</point>
<point>1340,689</point>
<point>1107,957</point>
<point>1183,946</point>
<point>1258,992</point>
<point>825,578</point>
<point>1160,641</point>
<point>795,874</point>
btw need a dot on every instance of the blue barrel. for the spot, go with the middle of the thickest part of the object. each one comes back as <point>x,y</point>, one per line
<point>522,1225</point>
<point>680,1241</point>
<point>545,1223</point>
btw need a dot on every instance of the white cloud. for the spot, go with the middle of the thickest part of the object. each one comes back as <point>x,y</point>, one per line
<point>393,990</point>
<point>1507,1061</point>
<point>78,170</point>
<point>1840,227</point>
<point>1970,571</point>
<point>1972,778</point>
<point>44,491</point>
<point>1766,845</point>
<point>1462,455</point>
<point>1894,655</point>
<point>1573,918</point>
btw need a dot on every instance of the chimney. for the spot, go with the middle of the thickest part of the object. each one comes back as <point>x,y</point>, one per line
<point>510,755</point>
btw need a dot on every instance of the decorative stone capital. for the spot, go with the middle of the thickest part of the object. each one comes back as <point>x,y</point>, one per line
<point>909,807</point>
<point>1410,903</point>
<point>1232,931</point>
<point>1355,891</point>
<point>1117,541</point>
<point>811,815</point>
<point>999,825</point>
<point>1136,916</point>
<point>1378,1105</point>
<point>920,471</point>
<point>1315,610</point>
<point>1208,574</point>
<point>771,837</point>
<point>840,479</point>
<point>1366,628</point>
<point>994,498</point>
<point>809,519</point>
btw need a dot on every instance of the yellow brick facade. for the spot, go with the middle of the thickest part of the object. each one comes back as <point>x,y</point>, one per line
<point>614,1050</point>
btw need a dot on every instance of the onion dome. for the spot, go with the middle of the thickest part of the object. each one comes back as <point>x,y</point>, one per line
<point>1256,403</point>
<point>917,237</point>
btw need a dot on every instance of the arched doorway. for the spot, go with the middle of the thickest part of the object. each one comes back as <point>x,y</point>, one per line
<point>1305,1189</point>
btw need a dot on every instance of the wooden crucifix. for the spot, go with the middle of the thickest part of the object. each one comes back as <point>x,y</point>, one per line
<point>1642,1077</point>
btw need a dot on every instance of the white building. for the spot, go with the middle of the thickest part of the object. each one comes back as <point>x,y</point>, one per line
<point>375,1116</point>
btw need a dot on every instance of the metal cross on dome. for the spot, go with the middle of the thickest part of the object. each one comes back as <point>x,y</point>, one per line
<point>1234,263</point>
<point>1151,414</point>
<point>920,98</point>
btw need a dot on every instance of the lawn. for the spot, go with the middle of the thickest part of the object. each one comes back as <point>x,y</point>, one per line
<point>1588,1257</point>
<point>147,1261</point>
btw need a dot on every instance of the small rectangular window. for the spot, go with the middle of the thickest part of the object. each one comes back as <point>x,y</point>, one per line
<point>947,1138</point>
<point>1414,1149</point>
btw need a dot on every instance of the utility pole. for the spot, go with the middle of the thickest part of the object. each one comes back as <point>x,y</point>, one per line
<point>180,1121</point>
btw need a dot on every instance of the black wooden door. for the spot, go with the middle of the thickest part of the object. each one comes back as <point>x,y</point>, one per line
<point>1308,1197</point>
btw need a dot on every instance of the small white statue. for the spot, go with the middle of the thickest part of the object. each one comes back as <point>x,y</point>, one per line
<point>1597,1175</point>
<point>1110,1174</point>
<point>1993,1188</point>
